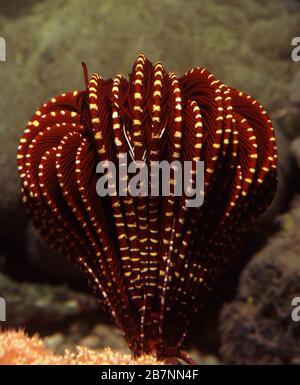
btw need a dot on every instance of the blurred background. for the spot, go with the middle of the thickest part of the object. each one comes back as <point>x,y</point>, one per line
<point>246,44</point>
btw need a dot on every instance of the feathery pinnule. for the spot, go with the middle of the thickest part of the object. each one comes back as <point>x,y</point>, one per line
<point>149,259</point>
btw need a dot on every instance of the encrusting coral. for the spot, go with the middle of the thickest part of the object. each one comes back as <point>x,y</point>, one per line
<point>16,348</point>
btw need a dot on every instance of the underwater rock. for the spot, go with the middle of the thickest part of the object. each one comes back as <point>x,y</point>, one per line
<point>287,129</point>
<point>88,334</point>
<point>294,94</point>
<point>40,307</point>
<point>295,151</point>
<point>257,328</point>
<point>289,118</point>
<point>12,216</point>
<point>286,172</point>
<point>104,335</point>
<point>289,115</point>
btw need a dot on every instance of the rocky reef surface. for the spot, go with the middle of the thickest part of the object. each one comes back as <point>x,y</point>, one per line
<point>257,327</point>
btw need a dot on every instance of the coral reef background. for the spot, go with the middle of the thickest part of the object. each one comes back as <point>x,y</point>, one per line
<point>247,45</point>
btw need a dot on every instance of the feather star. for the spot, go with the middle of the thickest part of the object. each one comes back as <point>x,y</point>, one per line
<point>150,260</point>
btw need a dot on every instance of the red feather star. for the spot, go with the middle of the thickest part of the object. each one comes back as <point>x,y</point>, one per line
<point>150,260</point>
